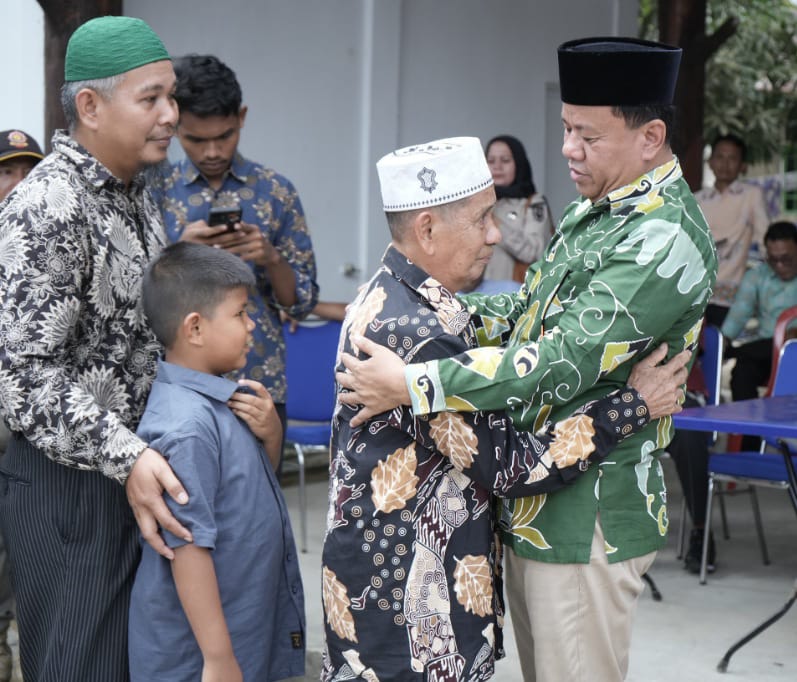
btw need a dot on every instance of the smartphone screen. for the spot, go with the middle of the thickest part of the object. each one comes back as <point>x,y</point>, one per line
<point>224,216</point>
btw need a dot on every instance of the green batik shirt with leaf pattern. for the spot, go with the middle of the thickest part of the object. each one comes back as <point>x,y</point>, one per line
<point>621,276</point>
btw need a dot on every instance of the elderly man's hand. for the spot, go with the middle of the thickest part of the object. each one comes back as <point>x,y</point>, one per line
<point>149,477</point>
<point>376,383</point>
<point>661,385</point>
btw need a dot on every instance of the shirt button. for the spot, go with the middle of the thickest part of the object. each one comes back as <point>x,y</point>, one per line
<point>289,557</point>
<point>294,588</point>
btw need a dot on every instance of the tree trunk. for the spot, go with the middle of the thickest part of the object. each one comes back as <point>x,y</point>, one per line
<point>683,23</point>
<point>61,18</point>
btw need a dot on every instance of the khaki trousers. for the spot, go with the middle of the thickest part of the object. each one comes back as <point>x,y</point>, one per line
<point>572,622</point>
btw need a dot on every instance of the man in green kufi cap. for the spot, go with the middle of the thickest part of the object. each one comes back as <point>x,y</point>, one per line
<point>77,358</point>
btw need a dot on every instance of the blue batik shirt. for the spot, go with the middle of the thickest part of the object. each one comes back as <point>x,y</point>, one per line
<point>270,201</point>
<point>236,509</point>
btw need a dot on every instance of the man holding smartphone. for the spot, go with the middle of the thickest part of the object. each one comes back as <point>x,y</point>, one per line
<point>215,196</point>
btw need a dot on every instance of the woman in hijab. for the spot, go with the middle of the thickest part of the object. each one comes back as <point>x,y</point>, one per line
<point>522,214</point>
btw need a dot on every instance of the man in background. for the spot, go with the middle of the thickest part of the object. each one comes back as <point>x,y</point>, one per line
<point>737,216</point>
<point>764,293</point>
<point>19,153</point>
<point>267,226</point>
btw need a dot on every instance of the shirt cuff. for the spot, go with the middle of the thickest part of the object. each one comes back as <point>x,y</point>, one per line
<point>631,410</point>
<point>425,389</point>
<point>120,454</point>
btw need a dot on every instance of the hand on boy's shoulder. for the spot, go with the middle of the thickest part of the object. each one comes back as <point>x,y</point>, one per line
<point>149,477</point>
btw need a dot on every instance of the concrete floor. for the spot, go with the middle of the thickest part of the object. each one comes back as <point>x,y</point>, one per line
<point>682,637</point>
<point>679,639</point>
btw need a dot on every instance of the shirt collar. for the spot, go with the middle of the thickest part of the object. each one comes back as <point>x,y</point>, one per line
<point>239,169</point>
<point>89,167</point>
<point>216,388</point>
<point>644,194</point>
<point>736,187</point>
<point>440,299</point>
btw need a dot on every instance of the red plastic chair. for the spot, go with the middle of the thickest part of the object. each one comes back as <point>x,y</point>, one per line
<point>778,339</point>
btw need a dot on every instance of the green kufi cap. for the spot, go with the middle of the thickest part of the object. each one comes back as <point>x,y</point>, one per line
<point>107,46</point>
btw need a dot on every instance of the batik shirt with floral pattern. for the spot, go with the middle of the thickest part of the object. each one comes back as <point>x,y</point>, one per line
<point>76,356</point>
<point>411,565</point>
<point>621,275</point>
<point>270,201</point>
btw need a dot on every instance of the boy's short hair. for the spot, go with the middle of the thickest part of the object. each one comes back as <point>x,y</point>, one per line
<point>187,278</point>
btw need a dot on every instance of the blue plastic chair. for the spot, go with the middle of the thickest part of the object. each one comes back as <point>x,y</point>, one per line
<point>754,468</point>
<point>311,352</point>
<point>711,365</point>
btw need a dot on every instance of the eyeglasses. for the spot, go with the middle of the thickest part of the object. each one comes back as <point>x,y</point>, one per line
<point>785,261</point>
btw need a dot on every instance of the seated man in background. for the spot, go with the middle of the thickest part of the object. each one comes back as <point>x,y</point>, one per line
<point>765,292</point>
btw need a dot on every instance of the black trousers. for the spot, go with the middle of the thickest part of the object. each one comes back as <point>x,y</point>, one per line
<point>752,369</point>
<point>73,548</point>
<point>715,314</point>
<point>689,451</point>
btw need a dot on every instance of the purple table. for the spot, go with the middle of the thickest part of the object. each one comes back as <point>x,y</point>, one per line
<point>775,418</point>
<point>768,417</point>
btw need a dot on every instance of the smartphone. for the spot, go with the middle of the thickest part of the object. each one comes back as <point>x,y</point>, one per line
<point>225,216</point>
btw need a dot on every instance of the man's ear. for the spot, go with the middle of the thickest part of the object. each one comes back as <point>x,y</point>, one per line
<point>423,227</point>
<point>654,138</point>
<point>242,115</point>
<point>88,104</point>
<point>191,329</point>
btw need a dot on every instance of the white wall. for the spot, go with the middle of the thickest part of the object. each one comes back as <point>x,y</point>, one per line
<point>22,57</point>
<point>332,85</point>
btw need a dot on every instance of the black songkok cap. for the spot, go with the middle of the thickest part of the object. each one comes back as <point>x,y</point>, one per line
<point>617,72</point>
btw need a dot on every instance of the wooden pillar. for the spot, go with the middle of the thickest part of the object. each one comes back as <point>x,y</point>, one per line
<point>61,18</point>
<point>683,23</point>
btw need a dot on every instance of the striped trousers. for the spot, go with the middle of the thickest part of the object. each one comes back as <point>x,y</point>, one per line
<point>73,548</point>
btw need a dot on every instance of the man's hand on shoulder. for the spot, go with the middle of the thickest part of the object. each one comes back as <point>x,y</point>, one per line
<point>376,383</point>
<point>149,477</point>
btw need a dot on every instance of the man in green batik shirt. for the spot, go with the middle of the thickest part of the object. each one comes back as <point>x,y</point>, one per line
<point>632,265</point>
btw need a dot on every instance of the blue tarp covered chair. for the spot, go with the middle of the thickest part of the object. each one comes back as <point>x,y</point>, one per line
<point>754,469</point>
<point>310,373</point>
